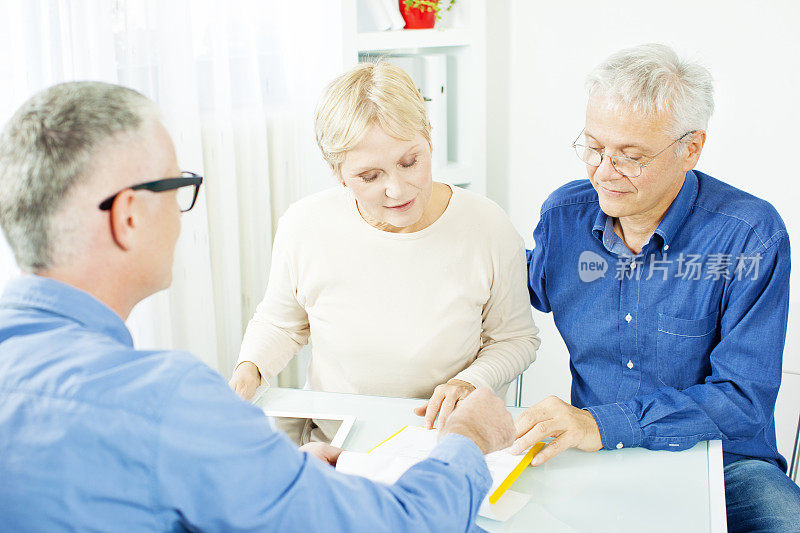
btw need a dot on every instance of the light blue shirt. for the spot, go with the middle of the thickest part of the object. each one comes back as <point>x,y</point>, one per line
<point>98,436</point>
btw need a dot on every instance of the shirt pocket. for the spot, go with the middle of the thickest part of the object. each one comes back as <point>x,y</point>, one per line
<point>682,349</point>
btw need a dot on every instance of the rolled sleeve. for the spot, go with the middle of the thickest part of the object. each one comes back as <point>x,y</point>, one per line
<point>618,425</point>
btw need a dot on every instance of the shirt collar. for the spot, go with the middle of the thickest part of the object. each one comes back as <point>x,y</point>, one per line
<point>673,220</point>
<point>612,241</point>
<point>46,294</point>
<point>679,209</point>
<point>600,222</point>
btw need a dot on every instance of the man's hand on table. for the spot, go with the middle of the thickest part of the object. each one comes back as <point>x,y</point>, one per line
<point>245,380</point>
<point>552,417</point>
<point>443,401</point>
<point>325,452</point>
<point>482,417</point>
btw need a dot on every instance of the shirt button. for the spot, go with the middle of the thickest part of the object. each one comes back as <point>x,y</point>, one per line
<point>619,445</point>
<point>666,247</point>
<point>633,265</point>
<point>628,318</point>
<point>630,364</point>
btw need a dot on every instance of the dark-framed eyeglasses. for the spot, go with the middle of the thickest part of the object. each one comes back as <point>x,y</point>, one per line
<point>630,168</point>
<point>188,185</point>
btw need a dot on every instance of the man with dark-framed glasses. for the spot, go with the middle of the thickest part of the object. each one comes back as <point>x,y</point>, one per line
<point>96,435</point>
<point>669,287</point>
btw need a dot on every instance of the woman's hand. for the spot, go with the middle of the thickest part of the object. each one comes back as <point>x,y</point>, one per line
<point>245,380</point>
<point>444,400</point>
<point>324,452</point>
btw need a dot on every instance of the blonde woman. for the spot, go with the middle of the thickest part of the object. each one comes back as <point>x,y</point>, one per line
<point>407,286</point>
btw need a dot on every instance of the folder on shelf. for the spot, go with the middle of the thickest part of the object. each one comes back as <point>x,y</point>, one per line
<point>429,72</point>
<point>392,9</point>
<point>372,16</point>
<point>389,460</point>
<point>434,88</point>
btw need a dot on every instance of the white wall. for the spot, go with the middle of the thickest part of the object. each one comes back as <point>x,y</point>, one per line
<point>547,48</point>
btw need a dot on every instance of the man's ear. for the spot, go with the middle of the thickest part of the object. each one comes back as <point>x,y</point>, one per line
<point>692,150</point>
<point>123,219</point>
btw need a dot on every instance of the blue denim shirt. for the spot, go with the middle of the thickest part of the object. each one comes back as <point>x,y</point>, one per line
<point>682,342</point>
<point>98,436</point>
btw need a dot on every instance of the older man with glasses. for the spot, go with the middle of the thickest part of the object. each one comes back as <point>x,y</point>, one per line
<point>98,436</point>
<point>669,287</point>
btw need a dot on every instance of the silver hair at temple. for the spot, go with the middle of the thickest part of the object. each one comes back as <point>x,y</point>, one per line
<point>652,80</point>
<point>46,149</point>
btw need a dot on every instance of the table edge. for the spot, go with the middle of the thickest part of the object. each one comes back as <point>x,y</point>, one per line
<point>716,488</point>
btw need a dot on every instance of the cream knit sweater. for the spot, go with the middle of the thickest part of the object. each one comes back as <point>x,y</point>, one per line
<point>395,314</point>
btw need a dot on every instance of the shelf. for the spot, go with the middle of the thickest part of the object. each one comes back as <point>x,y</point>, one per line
<point>461,37</point>
<point>376,41</point>
<point>454,174</point>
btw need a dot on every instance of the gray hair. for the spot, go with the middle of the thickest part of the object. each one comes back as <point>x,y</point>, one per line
<point>652,80</point>
<point>46,149</point>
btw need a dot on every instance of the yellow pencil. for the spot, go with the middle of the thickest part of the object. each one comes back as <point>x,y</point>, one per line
<point>393,435</point>
<point>512,477</point>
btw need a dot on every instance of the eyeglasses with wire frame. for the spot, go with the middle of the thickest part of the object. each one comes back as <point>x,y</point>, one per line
<point>630,168</point>
<point>188,185</point>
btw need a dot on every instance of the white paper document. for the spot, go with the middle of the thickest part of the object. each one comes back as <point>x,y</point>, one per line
<point>390,460</point>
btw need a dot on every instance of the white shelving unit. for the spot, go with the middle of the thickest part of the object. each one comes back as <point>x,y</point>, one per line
<point>404,39</point>
<point>463,40</point>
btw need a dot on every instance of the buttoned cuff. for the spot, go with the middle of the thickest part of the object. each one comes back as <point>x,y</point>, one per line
<point>462,453</point>
<point>619,427</point>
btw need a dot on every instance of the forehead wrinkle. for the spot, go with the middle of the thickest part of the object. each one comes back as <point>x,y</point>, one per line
<point>623,125</point>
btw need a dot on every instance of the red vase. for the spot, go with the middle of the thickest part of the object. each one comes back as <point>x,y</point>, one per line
<point>416,18</point>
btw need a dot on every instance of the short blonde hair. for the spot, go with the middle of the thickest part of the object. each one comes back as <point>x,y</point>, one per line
<point>368,94</point>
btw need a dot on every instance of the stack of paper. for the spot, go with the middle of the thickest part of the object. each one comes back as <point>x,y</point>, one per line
<point>391,458</point>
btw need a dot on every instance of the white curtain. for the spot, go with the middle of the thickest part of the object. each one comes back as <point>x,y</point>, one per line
<point>236,82</point>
